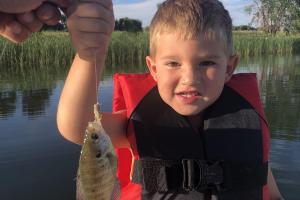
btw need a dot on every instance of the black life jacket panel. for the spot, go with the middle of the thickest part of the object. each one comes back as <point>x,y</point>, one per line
<point>173,161</point>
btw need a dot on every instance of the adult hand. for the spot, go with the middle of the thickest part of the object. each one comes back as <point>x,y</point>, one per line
<point>90,24</point>
<point>20,18</point>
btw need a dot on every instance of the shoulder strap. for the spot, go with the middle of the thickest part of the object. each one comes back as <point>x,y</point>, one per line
<point>129,89</point>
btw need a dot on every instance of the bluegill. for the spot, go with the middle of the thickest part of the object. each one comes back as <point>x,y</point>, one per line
<point>96,176</point>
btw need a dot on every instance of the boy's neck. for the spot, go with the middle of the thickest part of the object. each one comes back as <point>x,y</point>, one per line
<point>196,121</point>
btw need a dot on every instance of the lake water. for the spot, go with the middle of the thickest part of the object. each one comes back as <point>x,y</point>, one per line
<point>37,163</point>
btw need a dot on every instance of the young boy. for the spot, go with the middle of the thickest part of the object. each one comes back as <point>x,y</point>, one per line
<point>192,136</point>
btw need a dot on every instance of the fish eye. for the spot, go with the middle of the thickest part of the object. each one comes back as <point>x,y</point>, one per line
<point>98,155</point>
<point>95,136</point>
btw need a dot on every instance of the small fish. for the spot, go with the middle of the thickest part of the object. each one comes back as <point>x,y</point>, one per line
<point>96,176</point>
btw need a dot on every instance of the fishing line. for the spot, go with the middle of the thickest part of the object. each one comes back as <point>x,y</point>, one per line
<point>96,76</point>
<point>97,114</point>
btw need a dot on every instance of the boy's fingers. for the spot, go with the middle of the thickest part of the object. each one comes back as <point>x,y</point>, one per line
<point>90,24</point>
<point>105,3</point>
<point>93,25</point>
<point>87,44</point>
<point>48,14</point>
<point>30,21</point>
<point>92,10</point>
<point>94,40</point>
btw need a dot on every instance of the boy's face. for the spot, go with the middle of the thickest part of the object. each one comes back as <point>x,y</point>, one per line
<point>190,74</point>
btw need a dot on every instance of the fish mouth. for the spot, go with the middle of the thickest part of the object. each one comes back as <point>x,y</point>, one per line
<point>95,138</point>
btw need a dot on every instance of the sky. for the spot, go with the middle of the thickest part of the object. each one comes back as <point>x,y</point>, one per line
<point>144,10</point>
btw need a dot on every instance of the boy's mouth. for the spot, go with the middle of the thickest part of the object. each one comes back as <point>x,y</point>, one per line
<point>189,94</point>
<point>188,97</point>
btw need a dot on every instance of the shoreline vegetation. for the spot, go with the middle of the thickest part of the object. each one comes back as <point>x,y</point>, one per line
<point>53,49</point>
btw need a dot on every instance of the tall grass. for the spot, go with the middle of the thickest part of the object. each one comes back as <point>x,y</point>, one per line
<point>45,49</point>
<point>257,44</point>
<point>128,49</point>
<point>54,49</point>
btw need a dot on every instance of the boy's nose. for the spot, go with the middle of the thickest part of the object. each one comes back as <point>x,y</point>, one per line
<point>190,75</point>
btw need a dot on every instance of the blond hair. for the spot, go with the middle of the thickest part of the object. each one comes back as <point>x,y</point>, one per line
<point>190,19</point>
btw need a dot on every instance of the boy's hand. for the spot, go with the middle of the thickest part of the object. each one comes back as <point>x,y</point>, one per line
<point>91,24</point>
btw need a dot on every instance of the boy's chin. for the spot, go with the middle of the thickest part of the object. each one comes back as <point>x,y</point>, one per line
<point>189,112</point>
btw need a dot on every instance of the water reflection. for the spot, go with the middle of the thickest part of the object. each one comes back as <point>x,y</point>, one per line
<point>279,80</point>
<point>34,102</point>
<point>8,101</point>
<point>31,90</point>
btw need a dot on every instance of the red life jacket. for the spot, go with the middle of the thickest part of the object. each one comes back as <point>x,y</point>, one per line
<point>129,89</point>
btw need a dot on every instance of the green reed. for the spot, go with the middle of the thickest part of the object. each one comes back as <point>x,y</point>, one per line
<point>257,44</point>
<point>53,50</point>
<point>128,49</point>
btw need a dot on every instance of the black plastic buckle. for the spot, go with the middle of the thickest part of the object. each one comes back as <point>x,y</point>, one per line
<point>214,176</point>
<point>198,175</point>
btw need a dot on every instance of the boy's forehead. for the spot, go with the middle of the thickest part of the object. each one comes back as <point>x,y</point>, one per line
<point>171,44</point>
<point>172,38</point>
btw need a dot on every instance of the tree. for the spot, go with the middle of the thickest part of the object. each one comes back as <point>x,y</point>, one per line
<point>130,25</point>
<point>244,28</point>
<point>295,21</point>
<point>275,15</point>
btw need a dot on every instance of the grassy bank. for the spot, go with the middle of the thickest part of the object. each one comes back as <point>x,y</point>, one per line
<point>43,51</point>
<point>260,44</point>
<point>53,49</point>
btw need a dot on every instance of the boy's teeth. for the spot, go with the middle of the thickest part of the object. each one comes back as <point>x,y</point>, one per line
<point>189,94</point>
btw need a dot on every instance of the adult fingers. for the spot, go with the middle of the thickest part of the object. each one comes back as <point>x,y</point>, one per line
<point>62,3</point>
<point>30,20</point>
<point>19,6</point>
<point>48,14</point>
<point>12,29</point>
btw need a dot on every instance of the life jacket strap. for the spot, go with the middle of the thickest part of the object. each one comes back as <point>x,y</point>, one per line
<point>185,175</point>
<point>158,175</point>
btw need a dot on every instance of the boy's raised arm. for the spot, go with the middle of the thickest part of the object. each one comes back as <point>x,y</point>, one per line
<point>90,24</point>
<point>273,188</point>
<point>75,108</point>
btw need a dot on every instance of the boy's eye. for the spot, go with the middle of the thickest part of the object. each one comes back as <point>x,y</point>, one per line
<point>207,63</point>
<point>173,64</point>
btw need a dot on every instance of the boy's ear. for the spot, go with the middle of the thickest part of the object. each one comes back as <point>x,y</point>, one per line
<point>232,63</point>
<point>152,67</point>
